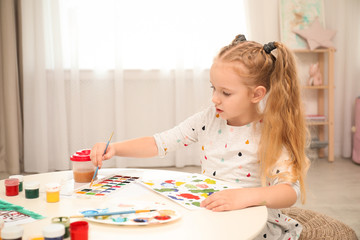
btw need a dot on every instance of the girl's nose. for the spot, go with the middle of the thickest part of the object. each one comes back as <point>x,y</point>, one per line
<point>215,99</point>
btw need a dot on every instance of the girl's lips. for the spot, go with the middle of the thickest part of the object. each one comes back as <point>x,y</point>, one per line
<point>219,110</point>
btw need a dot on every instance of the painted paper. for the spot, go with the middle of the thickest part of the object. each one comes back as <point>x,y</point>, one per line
<point>189,191</point>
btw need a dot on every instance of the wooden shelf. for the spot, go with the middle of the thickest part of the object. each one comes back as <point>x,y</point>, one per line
<point>315,87</point>
<point>314,123</point>
<point>325,56</point>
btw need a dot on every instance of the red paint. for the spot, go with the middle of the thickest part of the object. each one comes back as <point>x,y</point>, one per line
<point>189,196</point>
<point>162,218</point>
<point>248,175</point>
<point>170,181</point>
<point>205,157</point>
<point>186,145</point>
<point>12,187</point>
<point>79,230</point>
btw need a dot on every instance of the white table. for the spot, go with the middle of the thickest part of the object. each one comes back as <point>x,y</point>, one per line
<point>194,224</point>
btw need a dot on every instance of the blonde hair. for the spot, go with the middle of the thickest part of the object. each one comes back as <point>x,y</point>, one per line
<point>283,121</point>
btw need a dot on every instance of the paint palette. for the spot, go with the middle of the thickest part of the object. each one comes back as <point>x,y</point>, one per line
<point>163,214</point>
<point>189,190</point>
<point>105,186</point>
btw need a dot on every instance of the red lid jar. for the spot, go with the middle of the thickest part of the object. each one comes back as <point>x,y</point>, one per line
<point>83,169</point>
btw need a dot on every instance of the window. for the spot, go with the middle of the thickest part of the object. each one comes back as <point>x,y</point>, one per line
<point>147,34</point>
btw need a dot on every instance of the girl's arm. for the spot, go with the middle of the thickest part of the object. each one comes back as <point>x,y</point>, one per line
<point>277,196</point>
<point>143,147</point>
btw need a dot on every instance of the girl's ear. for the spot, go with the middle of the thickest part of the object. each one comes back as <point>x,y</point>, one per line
<point>258,94</point>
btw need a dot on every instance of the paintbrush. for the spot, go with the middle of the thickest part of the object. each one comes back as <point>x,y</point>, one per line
<point>111,213</point>
<point>97,168</point>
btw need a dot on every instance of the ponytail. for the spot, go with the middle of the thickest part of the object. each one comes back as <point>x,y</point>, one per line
<point>284,121</point>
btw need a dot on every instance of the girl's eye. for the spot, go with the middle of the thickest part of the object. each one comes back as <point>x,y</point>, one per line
<point>213,88</point>
<point>226,94</point>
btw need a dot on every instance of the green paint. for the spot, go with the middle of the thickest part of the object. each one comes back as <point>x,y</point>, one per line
<point>20,186</point>
<point>165,190</point>
<point>31,193</point>
<point>209,190</point>
<point>197,180</point>
<point>190,186</point>
<point>196,204</point>
<point>219,131</point>
<point>90,193</point>
<point>6,206</point>
<point>222,160</point>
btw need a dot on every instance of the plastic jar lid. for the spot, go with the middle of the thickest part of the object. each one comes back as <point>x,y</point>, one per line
<point>83,152</point>
<point>52,187</point>
<point>53,230</point>
<point>80,158</point>
<point>31,185</point>
<point>11,182</point>
<point>20,177</point>
<point>12,232</point>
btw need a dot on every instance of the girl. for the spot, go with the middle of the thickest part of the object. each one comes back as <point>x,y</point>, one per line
<point>261,149</point>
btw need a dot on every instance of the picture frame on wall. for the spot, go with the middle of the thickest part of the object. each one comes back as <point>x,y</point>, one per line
<point>298,14</point>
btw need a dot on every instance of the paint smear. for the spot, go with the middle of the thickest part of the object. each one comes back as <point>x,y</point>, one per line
<point>210,181</point>
<point>166,190</point>
<point>179,183</point>
<point>209,190</point>
<point>202,186</point>
<point>189,196</point>
<point>162,218</point>
<point>196,204</point>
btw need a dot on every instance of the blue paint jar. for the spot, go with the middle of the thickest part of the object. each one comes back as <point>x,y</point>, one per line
<point>54,231</point>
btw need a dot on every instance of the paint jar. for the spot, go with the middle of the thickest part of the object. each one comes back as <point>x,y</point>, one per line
<point>12,233</point>
<point>31,189</point>
<point>52,192</point>
<point>83,169</point>
<point>79,230</point>
<point>64,221</point>
<point>54,231</point>
<point>21,180</point>
<point>12,187</point>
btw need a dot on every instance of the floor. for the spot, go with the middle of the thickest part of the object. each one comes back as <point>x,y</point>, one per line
<point>332,189</point>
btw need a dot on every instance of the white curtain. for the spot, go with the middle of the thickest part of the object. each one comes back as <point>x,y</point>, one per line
<point>77,91</point>
<point>74,97</point>
<point>344,17</point>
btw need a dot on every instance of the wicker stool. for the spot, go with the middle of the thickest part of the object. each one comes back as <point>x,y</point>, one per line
<point>319,226</point>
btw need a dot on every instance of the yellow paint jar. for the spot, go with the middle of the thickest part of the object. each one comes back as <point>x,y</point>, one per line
<point>52,192</point>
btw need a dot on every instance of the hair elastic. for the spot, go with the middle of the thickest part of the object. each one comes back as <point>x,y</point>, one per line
<point>238,39</point>
<point>268,47</point>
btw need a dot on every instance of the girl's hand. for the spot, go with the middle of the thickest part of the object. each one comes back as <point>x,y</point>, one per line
<point>225,200</point>
<point>97,153</point>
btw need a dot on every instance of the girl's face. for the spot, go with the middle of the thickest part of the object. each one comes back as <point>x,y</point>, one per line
<point>234,101</point>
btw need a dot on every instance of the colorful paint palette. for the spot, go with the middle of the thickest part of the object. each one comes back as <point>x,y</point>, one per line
<point>189,190</point>
<point>163,214</point>
<point>105,186</point>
